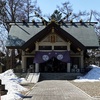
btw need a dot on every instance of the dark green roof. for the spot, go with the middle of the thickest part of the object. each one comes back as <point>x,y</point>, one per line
<point>20,33</point>
<point>83,33</point>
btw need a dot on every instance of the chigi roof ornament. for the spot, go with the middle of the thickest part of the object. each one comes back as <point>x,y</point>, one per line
<point>52,19</point>
<point>43,20</point>
<point>23,20</point>
<point>62,21</point>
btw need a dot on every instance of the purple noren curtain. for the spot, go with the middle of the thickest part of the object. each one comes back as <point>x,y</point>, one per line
<point>41,57</point>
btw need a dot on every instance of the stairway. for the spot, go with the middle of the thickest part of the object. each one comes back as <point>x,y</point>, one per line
<point>58,76</point>
<point>33,77</point>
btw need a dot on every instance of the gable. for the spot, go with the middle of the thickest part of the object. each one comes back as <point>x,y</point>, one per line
<point>59,31</point>
<point>51,37</point>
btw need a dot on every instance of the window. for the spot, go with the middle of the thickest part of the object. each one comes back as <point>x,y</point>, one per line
<point>60,47</point>
<point>45,48</point>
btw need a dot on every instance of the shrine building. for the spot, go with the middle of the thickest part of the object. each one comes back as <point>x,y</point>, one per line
<point>53,46</point>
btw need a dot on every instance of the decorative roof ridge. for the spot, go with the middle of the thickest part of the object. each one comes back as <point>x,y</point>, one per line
<point>41,23</point>
<point>52,21</point>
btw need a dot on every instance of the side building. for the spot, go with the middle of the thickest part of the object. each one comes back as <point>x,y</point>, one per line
<point>52,47</point>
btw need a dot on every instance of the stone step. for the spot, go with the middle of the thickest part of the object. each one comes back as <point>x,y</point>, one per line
<point>58,76</point>
<point>33,77</point>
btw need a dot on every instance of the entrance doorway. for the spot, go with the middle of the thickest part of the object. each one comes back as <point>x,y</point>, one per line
<point>53,65</point>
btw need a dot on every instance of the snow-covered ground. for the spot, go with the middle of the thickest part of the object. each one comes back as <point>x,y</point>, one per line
<point>12,84</point>
<point>92,76</point>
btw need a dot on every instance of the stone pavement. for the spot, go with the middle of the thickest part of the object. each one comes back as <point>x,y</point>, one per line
<point>56,90</point>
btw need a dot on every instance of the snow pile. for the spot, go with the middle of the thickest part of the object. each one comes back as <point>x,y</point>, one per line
<point>12,84</point>
<point>91,76</point>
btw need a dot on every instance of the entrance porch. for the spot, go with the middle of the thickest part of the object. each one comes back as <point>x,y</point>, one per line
<point>53,66</point>
<point>52,61</point>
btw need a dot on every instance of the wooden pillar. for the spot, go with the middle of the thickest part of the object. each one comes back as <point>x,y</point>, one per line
<point>36,67</point>
<point>82,60</point>
<point>7,60</point>
<point>36,64</point>
<point>12,59</point>
<point>68,64</point>
<point>23,61</point>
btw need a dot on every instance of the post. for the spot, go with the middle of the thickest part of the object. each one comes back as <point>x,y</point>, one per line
<point>36,68</point>
<point>82,60</point>
<point>36,64</point>
<point>23,61</point>
<point>68,64</point>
